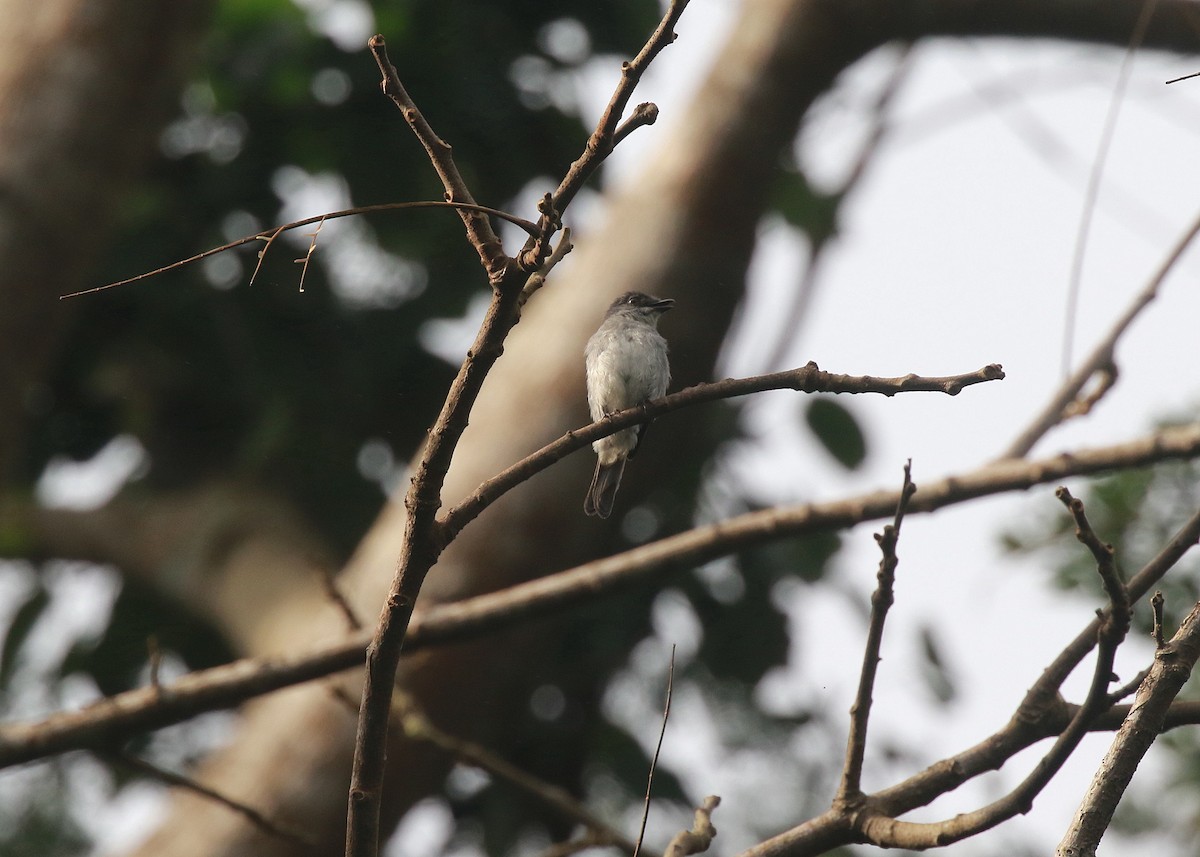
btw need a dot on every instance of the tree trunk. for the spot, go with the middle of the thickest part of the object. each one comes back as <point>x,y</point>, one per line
<point>85,86</point>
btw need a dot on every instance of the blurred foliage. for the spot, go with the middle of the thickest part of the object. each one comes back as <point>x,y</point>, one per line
<point>44,827</point>
<point>935,668</point>
<point>804,206</point>
<point>1137,512</point>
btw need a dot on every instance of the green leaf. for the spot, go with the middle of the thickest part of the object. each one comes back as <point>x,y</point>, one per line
<point>24,620</point>
<point>806,207</point>
<point>934,669</point>
<point>838,431</point>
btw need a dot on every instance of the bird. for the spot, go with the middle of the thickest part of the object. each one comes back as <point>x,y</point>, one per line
<point>626,362</point>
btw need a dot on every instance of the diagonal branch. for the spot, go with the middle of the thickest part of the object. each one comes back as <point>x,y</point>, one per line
<point>270,235</point>
<point>607,133</point>
<point>850,791</point>
<point>836,827</point>
<point>222,687</point>
<point>1173,664</point>
<point>424,536</point>
<point>881,828</point>
<point>479,229</point>
<point>807,379</point>
<point>1102,359</point>
<point>1092,193</point>
<point>149,769</point>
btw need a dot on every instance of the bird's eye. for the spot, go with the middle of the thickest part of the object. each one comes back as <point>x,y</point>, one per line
<point>631,300</point>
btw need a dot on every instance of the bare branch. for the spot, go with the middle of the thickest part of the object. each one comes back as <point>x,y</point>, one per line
<point>1102,358</point>
<point>807,379</point>
<point>270,235</point>
<point>479,229</point>
<point>654,760</point>
<point>1042,714</point>
<point>605,136</point>
<point>700,837</point>
<point>850,791</point>
<point>885,830</point>
<point>1172,667</point>
<point>423,541</point>
<point>180,781</point>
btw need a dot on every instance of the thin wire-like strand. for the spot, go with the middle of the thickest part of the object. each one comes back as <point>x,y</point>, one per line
<point>654,762</point>
<point>1093,186</point>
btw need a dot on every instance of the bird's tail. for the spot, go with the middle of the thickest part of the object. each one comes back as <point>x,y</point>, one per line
<point>605,481</point>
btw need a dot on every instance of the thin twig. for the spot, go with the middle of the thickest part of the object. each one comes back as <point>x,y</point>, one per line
<point>312,248</point>
<point>1102,357</point>
<point>1118,596</point>
<point>573,846</point>
<point>1185,77</point>
<point>262,257</point>
<point>270,235</point>
<point>1093,186</point>
<point>418,727</point>
<point>334,594</point>
<point>252,815</point>
<point>807,379</point>
<point>479,229</point>
<point>850,791</point>
<point>1157,601</point>
<point>657,749</point>
<point>600,144</point>
<point>408,719</point>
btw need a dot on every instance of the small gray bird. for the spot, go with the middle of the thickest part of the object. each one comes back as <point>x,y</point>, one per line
<point>626,366</point>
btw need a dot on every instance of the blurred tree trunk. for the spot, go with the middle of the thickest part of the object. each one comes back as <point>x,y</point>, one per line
<point>85,87</point>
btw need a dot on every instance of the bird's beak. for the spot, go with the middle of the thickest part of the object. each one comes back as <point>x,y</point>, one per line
<point>662,304</point>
